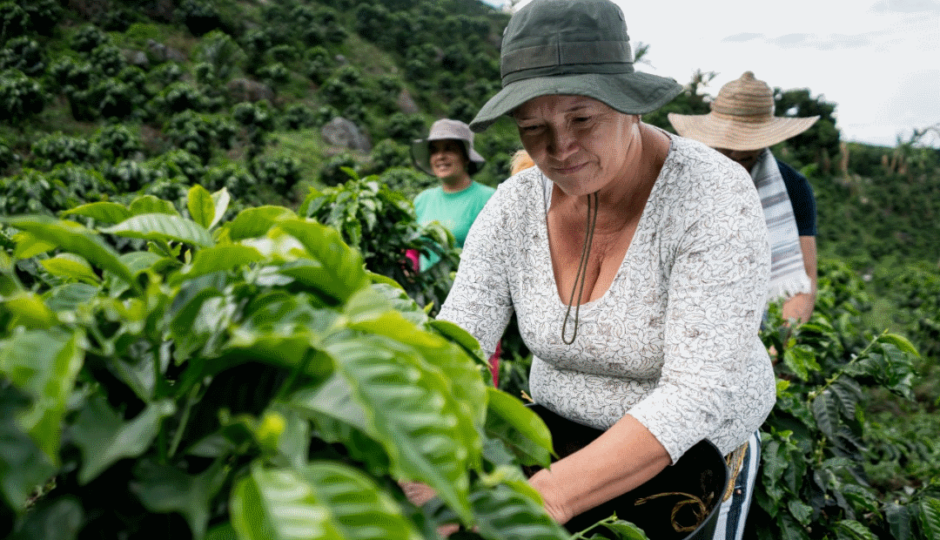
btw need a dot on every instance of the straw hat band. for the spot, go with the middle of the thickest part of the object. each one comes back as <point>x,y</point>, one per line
<point>567,58</point>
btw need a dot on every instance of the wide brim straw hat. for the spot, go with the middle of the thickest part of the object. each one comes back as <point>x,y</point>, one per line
<point>446,129</point>
<point>572,47</point>
<point>741,118</point>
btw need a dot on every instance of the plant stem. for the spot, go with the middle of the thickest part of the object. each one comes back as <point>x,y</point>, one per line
<point>178,436</point>
<point>815,393</point>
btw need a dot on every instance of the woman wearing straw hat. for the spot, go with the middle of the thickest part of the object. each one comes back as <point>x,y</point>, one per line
<point>742,125</point>
<point>448,154</point>
<point>636,262</point>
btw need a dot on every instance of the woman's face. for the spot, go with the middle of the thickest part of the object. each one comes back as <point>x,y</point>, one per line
<point>580,143</point>
<point>447,159</point>
<point>744,158</point>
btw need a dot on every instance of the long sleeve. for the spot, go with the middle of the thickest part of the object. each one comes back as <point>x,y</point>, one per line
<point>480,300</point>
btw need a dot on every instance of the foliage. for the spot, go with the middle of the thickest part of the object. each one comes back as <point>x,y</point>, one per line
<point>241,379</point>
<point>58,148</point>
<point>381,224</point>
<point>20,96</point>
<point>813,480</point>
<point>23,54</point>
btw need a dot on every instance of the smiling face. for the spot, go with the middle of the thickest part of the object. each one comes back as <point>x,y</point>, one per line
<point>448,161</point>
<point>580,143</point>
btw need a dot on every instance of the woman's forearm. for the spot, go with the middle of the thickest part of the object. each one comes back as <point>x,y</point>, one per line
<point>624,457</point>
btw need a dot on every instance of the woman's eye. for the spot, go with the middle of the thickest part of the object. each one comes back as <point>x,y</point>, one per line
<point>529,129</point>
<point>582,119</point>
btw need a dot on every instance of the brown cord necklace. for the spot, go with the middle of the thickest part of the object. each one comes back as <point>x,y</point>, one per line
<point>582,269</point>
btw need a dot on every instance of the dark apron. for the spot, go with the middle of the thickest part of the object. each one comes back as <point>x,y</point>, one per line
<point>701,472</point>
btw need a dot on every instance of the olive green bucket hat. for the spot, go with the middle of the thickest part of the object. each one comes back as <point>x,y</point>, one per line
<point>572,47</point>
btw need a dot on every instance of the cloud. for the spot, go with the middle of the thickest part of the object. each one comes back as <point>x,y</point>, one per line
<point>791,39</point>
<point>906,6</point>
<point>744,36</point>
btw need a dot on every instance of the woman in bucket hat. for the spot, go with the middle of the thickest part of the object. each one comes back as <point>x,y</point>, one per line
<point>448,154</point>
<point>636,263</point>
<point>742,125</point>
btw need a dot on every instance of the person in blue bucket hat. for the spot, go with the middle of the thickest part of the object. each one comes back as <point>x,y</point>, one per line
<point>636,262</point>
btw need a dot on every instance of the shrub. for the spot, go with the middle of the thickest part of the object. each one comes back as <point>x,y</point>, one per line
<point>197,381</point>
<point>89,38</point>
<point>20,96</point>
<point>280,172</point>
<point>404,128</point>
<point>57,148</point>
<point>66,72</point>
<point>407,181</point>
<point>332,173</point>
<point>233,177</point>
<point>14,21</point>
<point>118,141</point>
<point>25,55</point>
<point>167,74</point>
<point>129,176</point>
<point>221,53</point>
<point>275,74</point>
<point>199,16</point>
<point>199,133</point>
<point>387,154</point>
<point>298,116</point>
<point>43,15</point>
<point>8,158</point>
<point>179,97</point>
<point>108,59</point>
<point>32,192</point>
<point>179,162</point>
<point>115,99</point>
<point>83,184</point>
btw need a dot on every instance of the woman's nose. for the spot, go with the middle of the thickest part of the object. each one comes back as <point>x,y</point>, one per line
<point>562,144</point>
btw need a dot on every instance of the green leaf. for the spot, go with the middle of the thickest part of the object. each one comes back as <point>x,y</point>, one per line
<point>502,513</point>
<point>220,258</point>
<point>28,246</point>
<point>45,364</point>
<point>929,518</point>
<point>162,227</point>
<point>70,296</point>
<point>790,529</point>
<point>826,412</point>
<point>278,504</point>
<point>201,206</point>
<point>138,261</point>
<point>360,510</point>
<point>459,336</point>
<point>801,511</point>
<point>148,204</point>
<point>225,531</point>
<point>255,222</point>
<point>521,429</point>
<point>899,521</point>
<point>59,519</point>
<point>341,272</point>
<point>853,530</point>
<point>104,437</point>
<point>27,310</point>
<point>459,369</point>
<point>334,399</point>
<point>220,201</point>
<point>626,530</point>
<point>901,343</point>
<point>76,239</point>
<point>70,266</point>
<point>23,465</point>
<point>102,212</point>
<point>164,489</point>
<point>801,360</point>
<point>411,412</point>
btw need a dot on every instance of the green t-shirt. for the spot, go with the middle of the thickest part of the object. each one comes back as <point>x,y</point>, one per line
<point>455,211</point>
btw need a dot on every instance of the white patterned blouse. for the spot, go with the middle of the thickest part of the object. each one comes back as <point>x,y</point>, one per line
<point>674,340</point>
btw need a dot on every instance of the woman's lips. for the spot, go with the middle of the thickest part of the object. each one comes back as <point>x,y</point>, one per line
<point>570,170</point>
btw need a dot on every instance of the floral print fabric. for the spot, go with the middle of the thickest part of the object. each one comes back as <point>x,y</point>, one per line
<point>674,340</point>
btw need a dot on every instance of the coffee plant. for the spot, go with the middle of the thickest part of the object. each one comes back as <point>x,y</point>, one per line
<point>240,379</point>
<point>20,96</point>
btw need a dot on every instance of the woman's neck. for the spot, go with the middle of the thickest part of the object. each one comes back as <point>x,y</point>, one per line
<point>459,184</point>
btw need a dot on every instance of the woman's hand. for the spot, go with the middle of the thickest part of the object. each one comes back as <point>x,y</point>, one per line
<point>542,482</point>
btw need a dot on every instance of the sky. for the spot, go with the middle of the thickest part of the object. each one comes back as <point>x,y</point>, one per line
<point>878,60</point>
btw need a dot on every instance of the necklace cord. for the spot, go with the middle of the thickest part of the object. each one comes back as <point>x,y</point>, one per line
<point>582,270</point>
